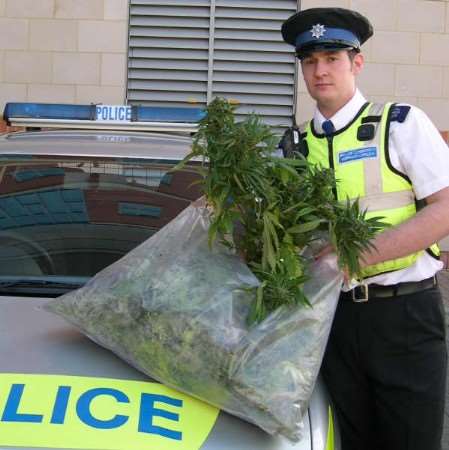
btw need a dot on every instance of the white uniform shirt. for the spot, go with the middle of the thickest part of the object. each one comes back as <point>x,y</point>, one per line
<point>416,149</point>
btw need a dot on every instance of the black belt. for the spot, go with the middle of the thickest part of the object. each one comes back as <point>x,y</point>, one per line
<point>365,292</point>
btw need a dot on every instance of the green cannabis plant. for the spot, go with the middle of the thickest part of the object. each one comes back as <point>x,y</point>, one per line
<point>275,208</point>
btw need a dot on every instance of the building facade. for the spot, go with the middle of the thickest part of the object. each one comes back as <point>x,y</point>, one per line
<point>77,51</point>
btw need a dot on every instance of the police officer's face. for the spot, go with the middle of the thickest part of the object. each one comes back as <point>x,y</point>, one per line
<point>330,78</point>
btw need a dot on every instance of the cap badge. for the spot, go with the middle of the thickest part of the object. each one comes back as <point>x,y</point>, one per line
<point>318,30</point>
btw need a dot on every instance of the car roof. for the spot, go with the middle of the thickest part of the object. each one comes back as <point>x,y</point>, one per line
<point>96,143</point>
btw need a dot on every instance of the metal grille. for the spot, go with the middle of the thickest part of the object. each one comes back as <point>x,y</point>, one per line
<point>192,51</point>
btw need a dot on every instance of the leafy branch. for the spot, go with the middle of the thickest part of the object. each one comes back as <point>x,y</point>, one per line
<point>274,207</point>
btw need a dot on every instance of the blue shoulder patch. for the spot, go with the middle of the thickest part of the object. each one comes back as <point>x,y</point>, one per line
<point>399,113</point>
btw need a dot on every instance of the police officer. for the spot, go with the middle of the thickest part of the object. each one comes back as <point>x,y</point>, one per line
<point>385,363</point>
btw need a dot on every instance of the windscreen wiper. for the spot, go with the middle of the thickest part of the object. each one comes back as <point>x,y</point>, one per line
<point>51,285</point>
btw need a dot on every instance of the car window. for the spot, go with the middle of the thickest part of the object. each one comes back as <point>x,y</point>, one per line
<point>73,216</point>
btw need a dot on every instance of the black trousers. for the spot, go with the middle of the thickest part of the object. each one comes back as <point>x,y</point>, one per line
<point>385,368</point>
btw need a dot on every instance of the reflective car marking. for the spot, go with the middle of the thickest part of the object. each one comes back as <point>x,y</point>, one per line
<point>59,411</point>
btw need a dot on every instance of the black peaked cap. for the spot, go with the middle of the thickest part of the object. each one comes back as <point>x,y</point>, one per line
<point>338,18</point>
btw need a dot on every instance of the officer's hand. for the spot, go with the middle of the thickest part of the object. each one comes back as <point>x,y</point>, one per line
<point>330,249</point>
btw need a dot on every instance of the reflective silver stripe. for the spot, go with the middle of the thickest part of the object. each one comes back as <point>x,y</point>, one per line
<point>373,167</point>
<point>387,200</point>
<point>376,109</point>
<point>373,175</point>
<point>375,199</point>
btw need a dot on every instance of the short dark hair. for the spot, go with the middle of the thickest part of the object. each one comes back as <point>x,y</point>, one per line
<point>352,52</point>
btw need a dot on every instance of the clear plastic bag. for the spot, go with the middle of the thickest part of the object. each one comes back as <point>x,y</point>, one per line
<point>176,310</point>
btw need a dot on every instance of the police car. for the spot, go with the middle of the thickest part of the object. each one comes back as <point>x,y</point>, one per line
<point>72,201</point>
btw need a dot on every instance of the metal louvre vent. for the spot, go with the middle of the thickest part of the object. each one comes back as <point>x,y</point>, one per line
<point>189,52</point>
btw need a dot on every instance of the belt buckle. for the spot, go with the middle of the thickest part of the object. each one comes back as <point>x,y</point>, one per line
<point>364,297</point>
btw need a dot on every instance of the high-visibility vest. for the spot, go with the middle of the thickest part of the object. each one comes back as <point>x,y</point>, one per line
<point>359,156</point>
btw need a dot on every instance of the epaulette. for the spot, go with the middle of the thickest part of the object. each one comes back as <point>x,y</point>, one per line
<point>399,113</point>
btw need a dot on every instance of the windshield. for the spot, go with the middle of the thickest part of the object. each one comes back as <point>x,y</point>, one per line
<point>73,216</point>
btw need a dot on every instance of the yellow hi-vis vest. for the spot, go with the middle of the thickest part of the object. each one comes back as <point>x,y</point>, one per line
<point>359,156</point>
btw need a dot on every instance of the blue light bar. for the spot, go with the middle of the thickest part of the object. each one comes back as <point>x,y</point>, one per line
<point>48,111</point>
<point>104,113</point>
<point>167,114</point>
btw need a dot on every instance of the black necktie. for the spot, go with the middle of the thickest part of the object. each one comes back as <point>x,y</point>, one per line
<point>328,127</point>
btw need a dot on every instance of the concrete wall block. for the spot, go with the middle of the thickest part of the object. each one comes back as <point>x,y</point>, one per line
<point>2,7</point>
<point>367,50</point>
<point>305,108</point>
<point>420,81</point>
<point>395,99</point>
<point>377,79</point>
<point>100,94</point>
<point>98,36</point>
<point>113,69</point>
<point>383,14</point>
<point>51,93</point>
<point>446,86</point>
<point>30,8</point>
<point>434,49</point>
<point>2,64</point>
<point>378,98</point>
<point>13,34</point>
<point>76,68</point>
<point>306,4</point>
<point>437,109</point>
<point>447,17</point>
<point>79,9</point>
<point>12,92</point>
<point>53,35</point>
<point>27,67</point>
<point>116,9</point>
<point>421,16</point>
<point>395,47</point>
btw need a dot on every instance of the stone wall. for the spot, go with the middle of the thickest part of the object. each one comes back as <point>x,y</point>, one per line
<point>75,51</point>
<point>70,51</point>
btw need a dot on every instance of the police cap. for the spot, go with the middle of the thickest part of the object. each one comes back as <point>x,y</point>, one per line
<point>320,29</point>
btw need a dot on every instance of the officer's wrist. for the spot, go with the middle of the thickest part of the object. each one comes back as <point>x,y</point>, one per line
<point>366,259</point>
